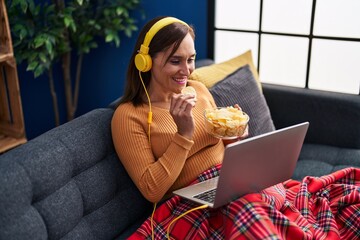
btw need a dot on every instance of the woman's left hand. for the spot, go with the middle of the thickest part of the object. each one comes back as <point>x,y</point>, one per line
<point>245,135</point>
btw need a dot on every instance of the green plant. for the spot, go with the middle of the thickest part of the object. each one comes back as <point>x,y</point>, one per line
<point>45,34</point>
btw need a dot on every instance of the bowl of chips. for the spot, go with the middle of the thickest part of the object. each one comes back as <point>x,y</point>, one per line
<point>226,122</point>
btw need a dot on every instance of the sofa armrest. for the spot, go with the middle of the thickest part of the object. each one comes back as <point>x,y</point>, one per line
<point>334,117</point>
<point>69,183</point>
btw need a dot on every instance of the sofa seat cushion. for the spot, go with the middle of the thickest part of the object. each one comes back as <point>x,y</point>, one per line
<point>318,160</point>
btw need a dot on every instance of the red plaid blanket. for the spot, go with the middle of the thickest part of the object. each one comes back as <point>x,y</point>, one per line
<point>315,208</point>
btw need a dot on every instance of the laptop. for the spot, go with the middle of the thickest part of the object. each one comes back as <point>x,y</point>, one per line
<point>251,165</point>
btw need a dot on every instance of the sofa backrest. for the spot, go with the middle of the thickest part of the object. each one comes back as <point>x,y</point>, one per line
<point>68,184</point>
<point>333,116</point>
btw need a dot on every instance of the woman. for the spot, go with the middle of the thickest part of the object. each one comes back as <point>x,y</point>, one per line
<point>176,148</point>
<point>159,135</point>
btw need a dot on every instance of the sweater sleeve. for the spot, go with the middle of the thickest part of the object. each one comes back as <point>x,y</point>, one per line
<point>153,177</point>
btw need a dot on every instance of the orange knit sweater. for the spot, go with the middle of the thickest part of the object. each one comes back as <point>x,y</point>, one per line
<point>169,161</point>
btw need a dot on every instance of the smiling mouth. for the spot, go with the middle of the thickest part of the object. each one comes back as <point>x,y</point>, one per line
<point>180,80</point>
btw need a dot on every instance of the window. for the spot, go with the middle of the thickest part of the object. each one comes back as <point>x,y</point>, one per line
<point>310,43</point>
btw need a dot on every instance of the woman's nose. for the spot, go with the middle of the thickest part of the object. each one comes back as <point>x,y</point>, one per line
<point>187,68</point>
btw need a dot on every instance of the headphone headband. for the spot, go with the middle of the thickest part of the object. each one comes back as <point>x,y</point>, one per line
<point>158,26</point>
<point>142,60</point>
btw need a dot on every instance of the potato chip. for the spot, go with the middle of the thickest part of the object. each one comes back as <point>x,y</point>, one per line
<point>226,122</point>
<point>189,90</point>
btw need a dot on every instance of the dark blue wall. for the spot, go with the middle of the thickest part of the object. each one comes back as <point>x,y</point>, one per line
<point>103,69</point>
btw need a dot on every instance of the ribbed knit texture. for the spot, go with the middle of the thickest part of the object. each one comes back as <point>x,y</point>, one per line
<point>169,161</point>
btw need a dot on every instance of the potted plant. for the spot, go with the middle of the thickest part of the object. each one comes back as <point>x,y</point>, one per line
<point>45,34</point>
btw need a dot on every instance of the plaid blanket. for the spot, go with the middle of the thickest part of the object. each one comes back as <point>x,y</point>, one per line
<point>327,207</point>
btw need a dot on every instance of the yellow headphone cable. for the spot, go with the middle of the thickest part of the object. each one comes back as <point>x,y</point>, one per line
<point>152,215</point>
<point>149,120</point>
<point>173,221</point>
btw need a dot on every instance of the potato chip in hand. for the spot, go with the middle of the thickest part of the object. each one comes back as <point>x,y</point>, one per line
<point>189,90</point>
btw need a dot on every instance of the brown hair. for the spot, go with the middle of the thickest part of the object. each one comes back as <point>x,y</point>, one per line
<point>168,36</point>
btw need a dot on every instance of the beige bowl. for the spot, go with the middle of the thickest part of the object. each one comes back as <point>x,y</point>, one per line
<point>226,122</point>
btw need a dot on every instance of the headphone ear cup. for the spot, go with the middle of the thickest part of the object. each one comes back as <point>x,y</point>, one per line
<point>143,62</point>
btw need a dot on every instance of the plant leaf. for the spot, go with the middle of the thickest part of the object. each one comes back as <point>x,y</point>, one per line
<point>49,46</point>
<point>39,70</point>
<point>119,11</point>
<point>109,38</point>
<point>67,21</point>
<point>42,57</point>
<point>32,66</point>
<point>39,41</point>
<point>24,6</point>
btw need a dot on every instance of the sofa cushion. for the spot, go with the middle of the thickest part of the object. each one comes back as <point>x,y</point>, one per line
<point>210,75</point>
<point>240,87</point>
<point>318,160</point>
<point>68,183</point>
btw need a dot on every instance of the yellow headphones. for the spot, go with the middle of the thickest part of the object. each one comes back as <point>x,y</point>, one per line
<point>143,60</point>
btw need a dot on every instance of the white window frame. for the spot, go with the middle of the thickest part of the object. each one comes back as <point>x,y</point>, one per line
<point>310,36</point>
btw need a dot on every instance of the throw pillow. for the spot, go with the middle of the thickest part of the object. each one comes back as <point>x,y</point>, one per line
<point>240,87</point>
<point>210,75</point>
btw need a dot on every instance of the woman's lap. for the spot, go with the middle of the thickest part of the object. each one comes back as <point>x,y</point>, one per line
<point>314,208</point>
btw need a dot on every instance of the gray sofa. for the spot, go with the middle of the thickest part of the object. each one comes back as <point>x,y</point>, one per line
<point>68,183</point>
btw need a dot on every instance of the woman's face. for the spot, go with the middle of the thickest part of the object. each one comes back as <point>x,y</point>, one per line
<point>171,76</point>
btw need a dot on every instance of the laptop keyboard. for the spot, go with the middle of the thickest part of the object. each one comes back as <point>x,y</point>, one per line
<point>207,196</point>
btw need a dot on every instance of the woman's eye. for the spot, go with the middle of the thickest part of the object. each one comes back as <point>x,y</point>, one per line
<point>175,61</point>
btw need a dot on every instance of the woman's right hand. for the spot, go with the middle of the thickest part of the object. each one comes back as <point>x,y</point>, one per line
<point>181,111</point>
